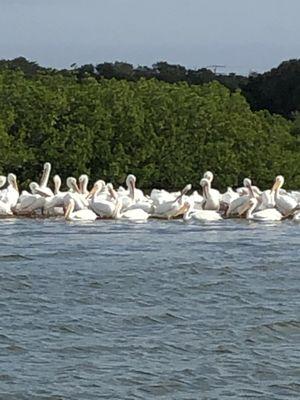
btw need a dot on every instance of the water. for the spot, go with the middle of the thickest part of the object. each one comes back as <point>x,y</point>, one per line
<point>159,310</point>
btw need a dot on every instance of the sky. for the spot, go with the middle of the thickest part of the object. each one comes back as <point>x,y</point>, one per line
<point>241,35</point>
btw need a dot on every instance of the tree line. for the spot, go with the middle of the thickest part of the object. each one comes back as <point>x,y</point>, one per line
<point>277,90</point>
<point>167,134</point>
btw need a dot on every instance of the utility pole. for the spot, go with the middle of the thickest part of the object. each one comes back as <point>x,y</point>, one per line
<point>215,67</point>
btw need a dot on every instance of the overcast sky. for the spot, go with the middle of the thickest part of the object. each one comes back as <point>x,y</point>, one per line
<point>240,34</point>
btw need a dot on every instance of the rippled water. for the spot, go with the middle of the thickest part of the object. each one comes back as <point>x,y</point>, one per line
<point>164,310</point>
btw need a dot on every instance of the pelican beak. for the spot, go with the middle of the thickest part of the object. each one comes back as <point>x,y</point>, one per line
<point>181,210</point>
<point>43,175</point>
<point>275,186</point>
<point>132,188</point>
<point>80,187</point>
<point>77,188</point>
<point>91,193</point>
<point>177,198</point>
<point>186,189</point>
<point>251,190</point>
<point>112,193</point>
<point>205,191</point>
<point>68,210</point>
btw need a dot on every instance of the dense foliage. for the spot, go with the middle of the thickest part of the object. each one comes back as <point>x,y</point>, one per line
<point>277,90</point>
<point>166,134</point>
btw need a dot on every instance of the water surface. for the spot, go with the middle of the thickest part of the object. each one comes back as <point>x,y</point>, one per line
<point>157,310</point>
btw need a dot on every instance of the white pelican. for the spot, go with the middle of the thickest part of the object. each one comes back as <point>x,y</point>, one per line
<point>43,186</point>
<point>132,195</point>
<point>132,192</point>
<point>266,199</point>
<point>57,184</point>
<point>72,185</point>
<point>209,176</point>
<point>10,195</point>
<point>159,196</point>
<point>54,205</point>
<point>30,202</point>
<point>237,203</point>
<point>83,184</point>
<point>245,190</point>
<point>46,174</point>
<point>196,199</point>
<point>211,197</point>
<point>145,203</point>
<point>58,199</point>
<point>134,198</point>
<point>80,215</point>
<point>285,203</point>
<point>100,202</point>
<point>269,214</point>
<point>169,209</point>
<point>134,215</point>
<point>229,196</point>
<point>200,215</point>
<point>5,209</point>
<point>74,193</point>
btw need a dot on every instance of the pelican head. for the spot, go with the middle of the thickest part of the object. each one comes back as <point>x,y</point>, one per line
<point>46,174</point>
<point>112,191</point>
<point>33,187</point>
<point>130,182</point>
<point>205,183</point>
<point>83,182</point>
<point>99,184</point>
<point>131,179</point>
<point>83,177</point>
<point>56,179</point>
<point>2,180</point>
<point>248,184</point>
<point>47,166</point>
<point>98,187</point>
<point>208,175</point>
<point>186,189</point>
<point>279,181</point>
<point>12,180</point>
<point>72,184</point>
<point>57,183</point>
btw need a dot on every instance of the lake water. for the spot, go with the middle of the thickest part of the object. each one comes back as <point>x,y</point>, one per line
<point>158,310</point>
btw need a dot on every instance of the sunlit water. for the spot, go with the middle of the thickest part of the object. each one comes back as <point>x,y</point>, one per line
<point>159,310</point>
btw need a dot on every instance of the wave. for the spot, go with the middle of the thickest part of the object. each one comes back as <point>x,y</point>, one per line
<point>13,257</point>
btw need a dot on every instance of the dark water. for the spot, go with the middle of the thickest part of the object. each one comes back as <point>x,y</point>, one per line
<point>161,310</point>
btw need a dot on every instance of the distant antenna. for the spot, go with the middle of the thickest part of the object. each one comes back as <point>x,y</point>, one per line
<point>215,67</point>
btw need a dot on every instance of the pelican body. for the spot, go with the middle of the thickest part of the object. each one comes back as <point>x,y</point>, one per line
<point>80,215</point>
<point>269,214</point>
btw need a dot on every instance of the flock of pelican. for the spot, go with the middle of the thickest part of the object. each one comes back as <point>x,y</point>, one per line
<point>103,201</point>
